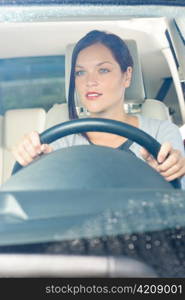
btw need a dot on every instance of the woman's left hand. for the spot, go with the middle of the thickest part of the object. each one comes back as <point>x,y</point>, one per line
<point>170,163</point>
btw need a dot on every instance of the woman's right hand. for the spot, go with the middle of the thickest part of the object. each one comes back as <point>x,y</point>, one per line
<point>29,148</point>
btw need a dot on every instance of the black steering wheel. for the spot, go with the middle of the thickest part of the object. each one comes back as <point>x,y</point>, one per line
<point>101,125</point>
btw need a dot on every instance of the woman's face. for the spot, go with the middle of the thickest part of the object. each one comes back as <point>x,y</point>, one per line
<point>99,81</point>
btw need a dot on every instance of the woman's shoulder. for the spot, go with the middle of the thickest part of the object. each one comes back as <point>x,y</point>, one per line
<point>161,130</point>
<point>156,125</point>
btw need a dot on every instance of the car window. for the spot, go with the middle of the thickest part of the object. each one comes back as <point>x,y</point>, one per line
<point>147,225</point>
<point>31,82</point>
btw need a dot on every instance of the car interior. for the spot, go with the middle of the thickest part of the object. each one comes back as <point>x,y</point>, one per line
<point>139,97</point>
<point>118,243</point>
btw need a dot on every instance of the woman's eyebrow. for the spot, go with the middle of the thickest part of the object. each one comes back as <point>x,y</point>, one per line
<point>99,64</point>
<point>104,62</point>
<point>78,66</point>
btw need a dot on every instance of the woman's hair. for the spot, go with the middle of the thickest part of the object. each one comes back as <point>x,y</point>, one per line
<point>118,49</point>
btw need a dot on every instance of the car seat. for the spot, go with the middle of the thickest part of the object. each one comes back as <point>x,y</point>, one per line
<point>15,124</point>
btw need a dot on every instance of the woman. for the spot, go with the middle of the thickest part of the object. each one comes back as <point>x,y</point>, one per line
<point>101,71</point>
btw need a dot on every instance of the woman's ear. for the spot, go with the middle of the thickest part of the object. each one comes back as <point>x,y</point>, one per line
<point>128,77</point>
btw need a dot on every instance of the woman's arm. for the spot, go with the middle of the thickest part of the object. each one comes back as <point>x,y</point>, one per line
<point>170,163</point>
<point>171,157</point>
<point>29,148</point>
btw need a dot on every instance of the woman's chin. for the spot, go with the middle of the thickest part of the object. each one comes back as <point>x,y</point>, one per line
<point>95,113</point>
<point>94,110</point>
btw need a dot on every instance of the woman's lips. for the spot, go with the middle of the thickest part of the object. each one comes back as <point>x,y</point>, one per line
<point>92,95</point>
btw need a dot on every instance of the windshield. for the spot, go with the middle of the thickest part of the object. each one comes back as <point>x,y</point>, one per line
<point>85,199</point>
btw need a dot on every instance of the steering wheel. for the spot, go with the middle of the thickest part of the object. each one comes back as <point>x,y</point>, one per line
<point>101,125</point>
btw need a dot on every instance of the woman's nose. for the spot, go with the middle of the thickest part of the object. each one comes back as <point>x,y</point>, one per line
<point>91,80</point>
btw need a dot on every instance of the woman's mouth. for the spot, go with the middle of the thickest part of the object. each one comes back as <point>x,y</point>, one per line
<point>93,95</point>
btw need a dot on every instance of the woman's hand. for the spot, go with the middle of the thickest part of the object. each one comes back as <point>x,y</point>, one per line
<point>29,148</point>
<point>170,163</point>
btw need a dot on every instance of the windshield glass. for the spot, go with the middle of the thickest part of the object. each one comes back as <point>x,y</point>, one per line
<point>112,219</point>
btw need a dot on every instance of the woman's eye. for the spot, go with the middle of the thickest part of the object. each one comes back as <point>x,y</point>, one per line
<point>79,73</point>
<point>104,70</point>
